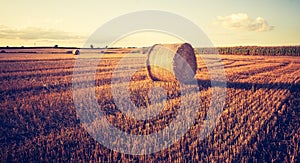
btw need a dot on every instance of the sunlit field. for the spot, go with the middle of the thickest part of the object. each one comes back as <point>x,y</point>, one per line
<point>38,122</point>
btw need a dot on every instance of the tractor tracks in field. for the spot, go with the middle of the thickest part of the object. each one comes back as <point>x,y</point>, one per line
<point>278,139</point>
<point>13,93</point>
<point>249,73</point>
<point>65,71</point>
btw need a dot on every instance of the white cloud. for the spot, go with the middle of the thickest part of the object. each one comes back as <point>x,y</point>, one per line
<point>241,21</point>
<point>34,33</point>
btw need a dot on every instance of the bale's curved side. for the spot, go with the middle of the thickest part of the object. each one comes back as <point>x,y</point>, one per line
<point>166,62</point>
<point>160,63</point>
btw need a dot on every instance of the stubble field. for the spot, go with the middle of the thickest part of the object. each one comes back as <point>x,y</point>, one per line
<point>260,120</point>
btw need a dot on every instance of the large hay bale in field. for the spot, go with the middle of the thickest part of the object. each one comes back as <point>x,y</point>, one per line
<point>76,52</point>
<point>168,62</point>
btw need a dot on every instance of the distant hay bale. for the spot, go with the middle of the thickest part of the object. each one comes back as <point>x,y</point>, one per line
<point>168,62</point>
<point>76,52</point>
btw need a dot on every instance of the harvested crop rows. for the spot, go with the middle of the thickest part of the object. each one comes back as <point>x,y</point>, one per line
<point>260,120</point>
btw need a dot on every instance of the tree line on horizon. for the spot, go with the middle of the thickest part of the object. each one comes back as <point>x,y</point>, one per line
<point>253,50</point>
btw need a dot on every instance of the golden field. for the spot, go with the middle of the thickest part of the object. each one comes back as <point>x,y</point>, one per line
<point>260,120</point>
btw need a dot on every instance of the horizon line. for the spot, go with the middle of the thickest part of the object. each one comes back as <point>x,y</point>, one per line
<point>74,47</point>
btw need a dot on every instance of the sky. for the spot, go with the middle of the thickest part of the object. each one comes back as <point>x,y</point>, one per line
<point>225,22</point>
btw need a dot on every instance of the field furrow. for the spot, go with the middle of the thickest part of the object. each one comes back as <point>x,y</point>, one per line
<point>39,121</point>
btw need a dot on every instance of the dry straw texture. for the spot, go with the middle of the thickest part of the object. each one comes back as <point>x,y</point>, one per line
<point>168,62</point>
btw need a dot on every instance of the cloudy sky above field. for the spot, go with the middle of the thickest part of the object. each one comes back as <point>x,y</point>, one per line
<point>226,23</point>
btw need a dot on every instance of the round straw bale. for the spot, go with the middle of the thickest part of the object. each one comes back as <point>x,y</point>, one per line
<point>168,62</point>
<point>76,52</point>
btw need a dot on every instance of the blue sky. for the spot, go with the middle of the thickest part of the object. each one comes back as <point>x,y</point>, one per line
<point>226,22</point>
